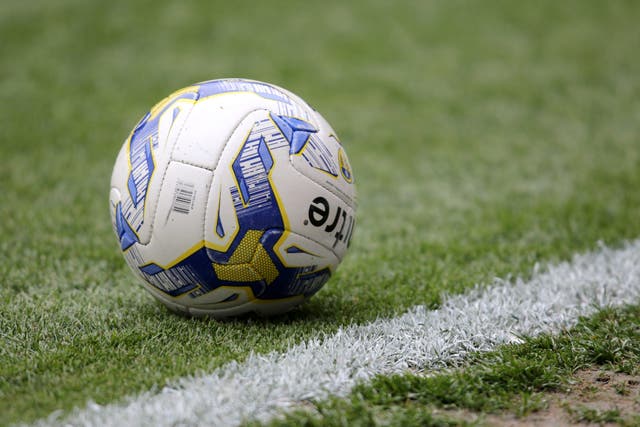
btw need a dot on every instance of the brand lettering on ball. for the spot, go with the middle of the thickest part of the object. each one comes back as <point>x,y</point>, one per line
<point>338,220</point>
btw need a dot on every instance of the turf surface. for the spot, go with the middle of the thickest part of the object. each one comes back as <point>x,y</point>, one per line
<point>513,378</point>
<point>485,137</point>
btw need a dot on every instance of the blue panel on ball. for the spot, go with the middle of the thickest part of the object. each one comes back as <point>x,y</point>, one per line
<point>287,131</point>
<point>125,233</point>
<point>151,269</point>
<point>142,166</point>
<point>254,200</point>
<point>296,131</point>
<point>219,228</point>
<point>183,277</point>
<point>265,155</point>
<point>309,283</point>
<point>216,87</point>
<point>133,190</point>
<point>300,138</point>
<point>230,298</point>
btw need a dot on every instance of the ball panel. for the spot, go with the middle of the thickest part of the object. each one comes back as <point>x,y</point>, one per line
<point>324,161</point>
<point>180,215</point>
<point>142,159</point>
<point>295,250</point>
<point>314,211</point>
<point>212,122</point>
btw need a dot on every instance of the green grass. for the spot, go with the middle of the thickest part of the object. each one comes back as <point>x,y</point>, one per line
<point>485,137</point>
<point>513,378</point>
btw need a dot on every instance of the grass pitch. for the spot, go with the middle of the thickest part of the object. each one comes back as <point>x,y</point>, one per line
<point>484,137</point>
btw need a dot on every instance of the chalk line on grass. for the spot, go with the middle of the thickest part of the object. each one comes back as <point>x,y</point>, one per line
<point>479,320</point>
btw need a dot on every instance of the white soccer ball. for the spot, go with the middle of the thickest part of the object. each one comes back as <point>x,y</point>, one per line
<point>233,196</point>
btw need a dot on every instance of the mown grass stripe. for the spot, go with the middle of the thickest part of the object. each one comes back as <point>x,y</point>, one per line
<point>554,298</point>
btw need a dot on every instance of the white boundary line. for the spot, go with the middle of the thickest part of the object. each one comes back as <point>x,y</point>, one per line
<point>479,320</point>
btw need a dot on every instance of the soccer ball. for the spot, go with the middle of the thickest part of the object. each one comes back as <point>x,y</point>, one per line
<point>232,196</point>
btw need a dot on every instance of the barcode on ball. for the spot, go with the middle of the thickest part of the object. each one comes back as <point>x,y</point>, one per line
<point>183,197</point>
